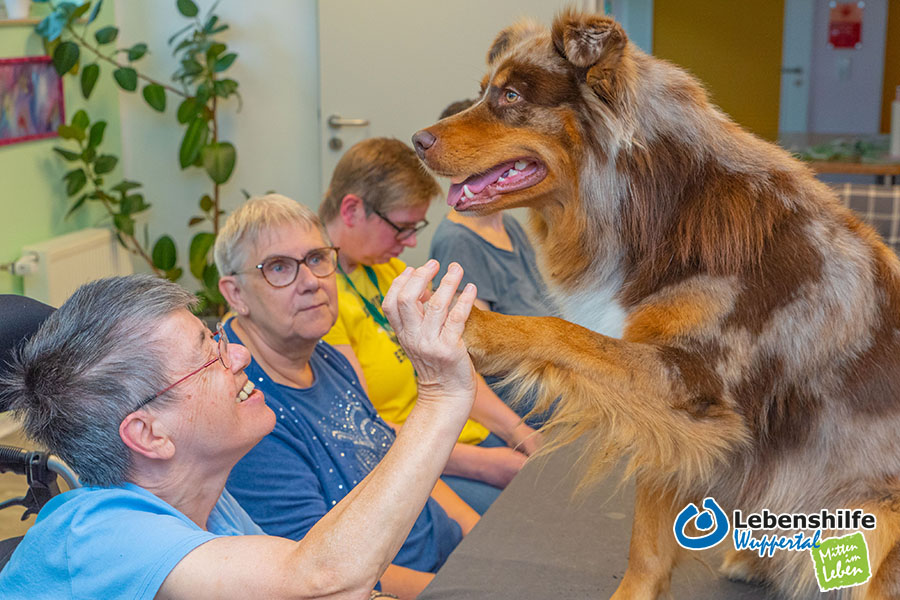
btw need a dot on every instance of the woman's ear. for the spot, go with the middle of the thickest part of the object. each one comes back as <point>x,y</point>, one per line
<point>147,435</point>
<point>231,290</point>
<point>352,210</point>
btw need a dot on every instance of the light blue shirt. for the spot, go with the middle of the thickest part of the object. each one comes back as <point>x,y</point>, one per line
<point>118,542</point>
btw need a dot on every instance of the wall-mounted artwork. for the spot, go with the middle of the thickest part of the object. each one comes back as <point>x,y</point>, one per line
<point>31,99</point>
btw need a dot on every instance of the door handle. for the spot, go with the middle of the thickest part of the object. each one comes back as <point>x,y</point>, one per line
<point>337,121</point>
<point>792,70</point>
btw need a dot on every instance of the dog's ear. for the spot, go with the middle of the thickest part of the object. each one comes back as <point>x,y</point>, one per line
<point>512,35</point>
<point>592,42</point>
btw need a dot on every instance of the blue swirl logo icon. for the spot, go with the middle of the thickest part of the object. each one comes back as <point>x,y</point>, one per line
<point>712,523</point>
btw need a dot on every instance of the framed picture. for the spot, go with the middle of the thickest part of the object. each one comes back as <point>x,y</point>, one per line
<point>31,99</point>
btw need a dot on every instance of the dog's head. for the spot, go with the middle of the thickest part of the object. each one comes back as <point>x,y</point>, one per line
<point>545,93</point>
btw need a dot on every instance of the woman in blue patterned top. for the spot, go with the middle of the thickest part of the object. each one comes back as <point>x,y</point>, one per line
<point>279,278</point>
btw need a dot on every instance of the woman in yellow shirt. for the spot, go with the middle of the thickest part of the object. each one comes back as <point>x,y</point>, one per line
<point>374,206</point>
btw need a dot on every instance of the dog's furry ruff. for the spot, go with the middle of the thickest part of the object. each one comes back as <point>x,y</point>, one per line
<point>741,329</point>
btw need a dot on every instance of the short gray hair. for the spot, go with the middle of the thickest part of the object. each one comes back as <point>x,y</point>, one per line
<point>88,366</point>
<point>245,225</point>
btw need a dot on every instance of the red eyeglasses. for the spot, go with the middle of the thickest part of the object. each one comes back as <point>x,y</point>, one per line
<point>222,358</point>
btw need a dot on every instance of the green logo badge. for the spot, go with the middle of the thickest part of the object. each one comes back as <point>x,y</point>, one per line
<point>841,562</point>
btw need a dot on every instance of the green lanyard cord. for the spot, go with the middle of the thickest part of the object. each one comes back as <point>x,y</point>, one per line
<point>373,310</point>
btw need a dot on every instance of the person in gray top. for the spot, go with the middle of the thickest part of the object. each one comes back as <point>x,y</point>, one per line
<point>497,257</point>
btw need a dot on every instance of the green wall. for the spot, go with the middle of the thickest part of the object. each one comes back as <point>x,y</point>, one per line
<point>33,202</point>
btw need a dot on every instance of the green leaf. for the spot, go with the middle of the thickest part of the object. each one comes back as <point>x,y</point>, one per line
<point>187,110</point>
<point>124,223</point>
<point>155,95</point>
<point>67,154</point>
<point>202,93</point>
<point>225,62</point>
<point>215,50</point>
<point>96,136</point>
<point>106,34</point>
<point>211,276</point>
<point>200,247</point>
<point>81,10</point>
<point>137,51</point>
<point>125,186</point>
<point>75,180</point>
<point>88,79</point>
<point>195,221</point>
<point>210,24</point>
<point>126,77</point>
<point>191,67</point>
<point>187,8</point>
<point>81,120</point>
<point>89,154</point>
<point>193,141</point>
<point>225,87</point>
<point>218,160</point>
<point>65,56</point>
<point>174,274</point>
<point>77,205</point>
<point>68,132</point>
<point>95,11</point>
<point>105,164</point>
<point>133,204</point>
<point>206,203</point>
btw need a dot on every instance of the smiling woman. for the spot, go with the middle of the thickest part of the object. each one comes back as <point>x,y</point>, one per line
<point>282,285</point>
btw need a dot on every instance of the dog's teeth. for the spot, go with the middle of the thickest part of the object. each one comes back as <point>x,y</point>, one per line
<point>501,178</point>
<point>468,192</point>
<point>512,172</point>
<point>520,165</point>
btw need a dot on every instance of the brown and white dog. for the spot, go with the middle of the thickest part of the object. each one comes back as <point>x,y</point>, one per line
<point>733,329</point>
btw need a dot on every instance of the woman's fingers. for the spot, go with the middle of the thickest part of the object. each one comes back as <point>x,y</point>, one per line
<point>456,319</point>
<point>391,299</point>
<point>438,304</point>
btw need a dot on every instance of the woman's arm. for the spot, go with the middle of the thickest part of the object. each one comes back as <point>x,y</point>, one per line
<point>349,549</point>
<point>455,507</point>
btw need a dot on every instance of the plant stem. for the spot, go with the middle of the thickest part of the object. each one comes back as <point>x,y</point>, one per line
<point>215,123</point>
<point>96,51</point>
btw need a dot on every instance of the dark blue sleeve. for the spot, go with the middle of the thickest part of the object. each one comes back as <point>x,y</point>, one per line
<point>453,243</point>
<point>277,485</point>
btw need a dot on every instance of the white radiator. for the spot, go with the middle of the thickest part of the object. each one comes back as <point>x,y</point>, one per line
<point>63,263</point>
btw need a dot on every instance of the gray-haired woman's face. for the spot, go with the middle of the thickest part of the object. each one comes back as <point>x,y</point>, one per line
<point>304,310</point>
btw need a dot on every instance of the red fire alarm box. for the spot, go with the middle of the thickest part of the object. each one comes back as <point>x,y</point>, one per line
<point>845,24</point>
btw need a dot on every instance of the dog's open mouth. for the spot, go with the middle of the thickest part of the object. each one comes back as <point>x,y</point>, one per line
<point>507,177</point>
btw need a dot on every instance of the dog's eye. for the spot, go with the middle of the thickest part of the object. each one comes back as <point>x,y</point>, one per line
<point>511,96</point>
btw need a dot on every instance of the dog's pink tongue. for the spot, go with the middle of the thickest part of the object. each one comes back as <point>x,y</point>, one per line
<point>477,183</point>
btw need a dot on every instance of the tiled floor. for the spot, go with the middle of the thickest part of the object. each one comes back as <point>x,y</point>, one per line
<point>12,486</point>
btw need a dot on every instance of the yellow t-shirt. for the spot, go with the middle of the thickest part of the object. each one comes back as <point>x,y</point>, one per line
<point>390,375</point>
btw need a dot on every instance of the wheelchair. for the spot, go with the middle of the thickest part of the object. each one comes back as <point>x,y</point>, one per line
<point>20,317</point>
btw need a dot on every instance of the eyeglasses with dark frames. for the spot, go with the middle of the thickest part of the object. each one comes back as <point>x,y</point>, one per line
<point>281,271</point>
<point>405,232</point>
<point>222,357</point>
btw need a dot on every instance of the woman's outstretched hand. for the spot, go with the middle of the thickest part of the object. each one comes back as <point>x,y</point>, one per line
<point>430,330</point>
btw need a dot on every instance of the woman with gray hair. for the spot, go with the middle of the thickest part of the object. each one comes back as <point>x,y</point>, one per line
<point>278,271</point>
<point>152,412</point>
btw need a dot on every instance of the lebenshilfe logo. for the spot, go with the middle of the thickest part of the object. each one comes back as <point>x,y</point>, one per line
<point>839,561</point>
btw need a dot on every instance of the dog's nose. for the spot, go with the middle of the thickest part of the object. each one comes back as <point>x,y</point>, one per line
<point>422,141</point>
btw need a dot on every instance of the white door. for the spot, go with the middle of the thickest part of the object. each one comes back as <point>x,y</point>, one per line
<point>395,65</point>
<point>796,54</point>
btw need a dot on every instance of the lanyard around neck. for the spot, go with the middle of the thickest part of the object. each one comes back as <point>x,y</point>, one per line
<point>371,307</point>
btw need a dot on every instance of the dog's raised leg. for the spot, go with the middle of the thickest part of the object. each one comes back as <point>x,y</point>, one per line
<point>658,405</point>
<point>653,550</point>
